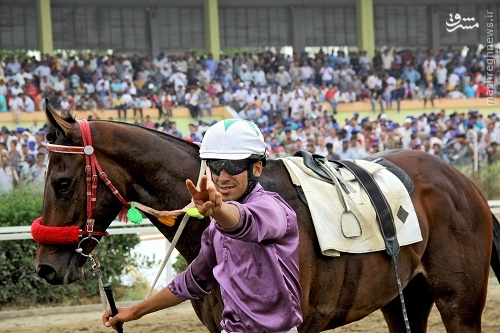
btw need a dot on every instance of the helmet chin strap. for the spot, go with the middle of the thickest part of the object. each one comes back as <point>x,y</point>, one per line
<point>252,182</point>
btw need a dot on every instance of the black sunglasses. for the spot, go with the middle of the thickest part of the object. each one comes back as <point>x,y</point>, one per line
<point>232,167</point>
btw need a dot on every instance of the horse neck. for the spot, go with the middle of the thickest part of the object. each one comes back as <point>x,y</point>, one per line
<point>154,168</point>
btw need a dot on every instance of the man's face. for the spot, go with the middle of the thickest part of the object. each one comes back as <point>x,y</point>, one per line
<point>233,187</point>
<point>40,159</point>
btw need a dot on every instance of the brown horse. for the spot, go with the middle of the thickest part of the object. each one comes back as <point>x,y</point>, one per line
<point>448,268</point>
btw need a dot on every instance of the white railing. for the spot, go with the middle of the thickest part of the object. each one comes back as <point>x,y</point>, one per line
<point>495,207</point>
<point>146,230</point>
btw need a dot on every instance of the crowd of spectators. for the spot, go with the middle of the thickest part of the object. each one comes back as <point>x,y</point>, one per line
<point>253,83</point>
<point>24,156</point>
<point>283,95</point>
<point>453,137</point>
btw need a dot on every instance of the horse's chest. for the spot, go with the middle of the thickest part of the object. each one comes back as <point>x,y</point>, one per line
<point>209,310</point>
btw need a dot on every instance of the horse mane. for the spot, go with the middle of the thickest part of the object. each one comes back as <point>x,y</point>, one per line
<point>157,133</point>
<point>69,117</point>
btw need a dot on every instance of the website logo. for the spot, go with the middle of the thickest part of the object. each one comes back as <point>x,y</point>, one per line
<point>457,21</point>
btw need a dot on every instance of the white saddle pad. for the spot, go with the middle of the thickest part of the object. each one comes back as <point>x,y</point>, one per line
<point>363,234</point>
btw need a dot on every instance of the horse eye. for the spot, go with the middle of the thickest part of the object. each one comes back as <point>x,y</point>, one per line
<point>62,186</point>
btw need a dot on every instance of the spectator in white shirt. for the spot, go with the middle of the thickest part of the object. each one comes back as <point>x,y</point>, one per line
<point>44,83</point>
<point>37,170</point>
<point>321,146</point>
<point>16,105</point>
<point>283,77</point>
<point>205,74</point>
<point>65,105</point>
<point>405,132</point>
<point>430,63</point>
<point>460,70</point>
<point>178,78</point>
<point>258,76</point>
<point>22,76</point>
<point>456,94</point>
<point>16,89</point>
<point>387,59</point>
<point>103,86</point>
<point>441,74</point>
<point>307,72</point>
<point>29,105</point>
<point>60,85</point>
<point>453,79</point>
<point>326,73</point>
<point>42,70</point>
<point>245,75</point>
<point>192,99</point>
<point>364,60</point>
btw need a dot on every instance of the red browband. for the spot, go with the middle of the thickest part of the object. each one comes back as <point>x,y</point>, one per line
<point>59,235</point>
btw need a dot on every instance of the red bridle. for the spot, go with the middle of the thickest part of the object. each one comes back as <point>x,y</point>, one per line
<point>72,234</point>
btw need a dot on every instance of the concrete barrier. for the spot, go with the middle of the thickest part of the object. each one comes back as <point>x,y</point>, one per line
<point>447,104</point>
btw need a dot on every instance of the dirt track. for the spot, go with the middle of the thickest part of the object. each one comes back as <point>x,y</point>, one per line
<point>183,319</point>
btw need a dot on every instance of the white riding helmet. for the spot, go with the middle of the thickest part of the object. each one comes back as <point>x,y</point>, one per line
<point>233,139</point>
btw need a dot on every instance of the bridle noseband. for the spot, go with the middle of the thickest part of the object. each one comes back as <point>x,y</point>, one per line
<point>71,234</point>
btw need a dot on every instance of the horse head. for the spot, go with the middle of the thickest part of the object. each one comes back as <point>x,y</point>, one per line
<point>63,225</point>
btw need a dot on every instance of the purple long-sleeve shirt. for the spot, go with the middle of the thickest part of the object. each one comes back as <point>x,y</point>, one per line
<point>256,264</point>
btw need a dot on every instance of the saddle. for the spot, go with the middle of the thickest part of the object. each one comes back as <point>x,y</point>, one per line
<point>333,172</point>
<point>311,161</point>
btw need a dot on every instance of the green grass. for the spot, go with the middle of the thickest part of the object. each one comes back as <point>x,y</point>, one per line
<point>486,179</point>
<point>400,117</point>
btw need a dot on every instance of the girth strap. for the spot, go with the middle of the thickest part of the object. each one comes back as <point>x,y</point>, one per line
<point>386,220</point>
<point>382,208</point>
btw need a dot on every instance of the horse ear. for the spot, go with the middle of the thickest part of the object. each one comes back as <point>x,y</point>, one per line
<point>56,120</point>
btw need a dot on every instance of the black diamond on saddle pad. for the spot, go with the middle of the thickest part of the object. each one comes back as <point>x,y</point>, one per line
<point>402,214</point>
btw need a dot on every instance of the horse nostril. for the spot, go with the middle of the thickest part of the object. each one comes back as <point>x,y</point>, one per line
<point>46,272</point>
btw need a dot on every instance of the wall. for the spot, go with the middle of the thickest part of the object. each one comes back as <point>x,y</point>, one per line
<point>174,26</point>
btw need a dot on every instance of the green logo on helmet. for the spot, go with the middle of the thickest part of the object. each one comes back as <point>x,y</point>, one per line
<point>229,122</point>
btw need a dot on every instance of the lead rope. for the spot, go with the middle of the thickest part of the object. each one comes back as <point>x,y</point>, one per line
<point>183,223</point>
<point>96,269</point>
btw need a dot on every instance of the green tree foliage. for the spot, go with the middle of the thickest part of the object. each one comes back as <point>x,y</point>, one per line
<point>21,287</point>
<point>487,179</point>
<point>180,264</point>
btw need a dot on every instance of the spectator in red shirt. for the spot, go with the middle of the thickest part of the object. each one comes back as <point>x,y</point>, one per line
<point>148,123</point>
<point>482,90</point>
<point>30,89</point>
<point>330,97</point>
<point>211,89</point>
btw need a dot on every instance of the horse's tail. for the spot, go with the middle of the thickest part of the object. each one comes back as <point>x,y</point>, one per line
<point>495,253</point>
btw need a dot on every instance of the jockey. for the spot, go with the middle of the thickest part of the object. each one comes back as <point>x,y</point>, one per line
<point>250,247</point>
